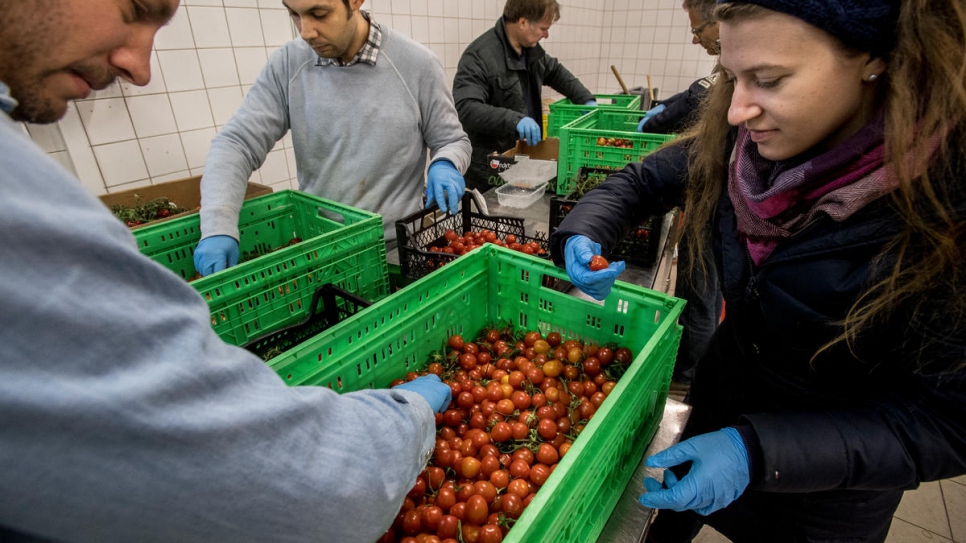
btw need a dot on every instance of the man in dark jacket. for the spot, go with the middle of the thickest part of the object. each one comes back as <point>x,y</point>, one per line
<point>701,315</point>
<point>674,114</point>
<point>499,79</point>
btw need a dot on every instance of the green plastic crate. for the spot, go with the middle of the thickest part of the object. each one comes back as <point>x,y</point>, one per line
<point>340,245</point>
<point>581,144</point>
<point>564,111</point>
<point>492,284</point>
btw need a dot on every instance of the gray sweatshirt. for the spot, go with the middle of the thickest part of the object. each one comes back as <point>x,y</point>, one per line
<point>360,132</point>
<point>123,416</point>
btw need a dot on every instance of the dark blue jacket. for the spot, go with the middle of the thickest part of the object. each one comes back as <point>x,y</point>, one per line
<point>490,90</point>
<point>883,420</point>
<point>680,109</point>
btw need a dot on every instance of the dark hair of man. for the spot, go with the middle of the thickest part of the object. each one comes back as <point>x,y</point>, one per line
<point>531,10</point>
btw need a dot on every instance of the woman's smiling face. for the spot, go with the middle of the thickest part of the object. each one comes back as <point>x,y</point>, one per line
<point>795,86</point>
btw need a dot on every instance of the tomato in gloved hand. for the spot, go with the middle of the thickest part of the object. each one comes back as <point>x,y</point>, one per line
<point>598,263</point>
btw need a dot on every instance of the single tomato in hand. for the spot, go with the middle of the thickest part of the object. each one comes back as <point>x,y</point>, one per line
<point>598,263</point>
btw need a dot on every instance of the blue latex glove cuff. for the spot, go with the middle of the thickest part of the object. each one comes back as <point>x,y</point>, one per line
<point>577,254</point>
<point>444,185</point>
<point>529,131</point>
<point>650,115</point>
<point>432,389</point>
<point>215,253</point>
<point>719,474</point>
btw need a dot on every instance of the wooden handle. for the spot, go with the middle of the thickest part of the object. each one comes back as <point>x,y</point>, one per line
<point>650,89</point>
<point>619,80</point>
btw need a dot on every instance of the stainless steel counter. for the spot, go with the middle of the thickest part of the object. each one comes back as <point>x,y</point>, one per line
<point>630,520</point>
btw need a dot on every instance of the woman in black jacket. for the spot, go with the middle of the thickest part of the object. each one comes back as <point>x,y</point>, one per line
<point>828,171</point>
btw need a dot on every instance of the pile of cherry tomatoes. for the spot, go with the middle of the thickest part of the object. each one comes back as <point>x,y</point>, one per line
<point>622,143</point>
<point>460,245</point>
<point>518,404</point>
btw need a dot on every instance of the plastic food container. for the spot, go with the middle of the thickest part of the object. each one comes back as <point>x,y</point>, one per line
<point>511,196</point>
<point>530,173</point>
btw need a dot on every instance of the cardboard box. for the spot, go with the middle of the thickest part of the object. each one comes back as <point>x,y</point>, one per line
<point>547,149</point>
<point>185,193</point>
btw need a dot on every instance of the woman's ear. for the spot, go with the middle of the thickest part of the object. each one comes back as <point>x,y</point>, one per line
<point>874,68</point>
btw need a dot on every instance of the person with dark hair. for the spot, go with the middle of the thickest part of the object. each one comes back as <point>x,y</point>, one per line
<point>703,310</point>
<point>363,103</point>
<point>828,175</point>
<point>499,79</point>
<point>675,113</point>
<point>123,416</point>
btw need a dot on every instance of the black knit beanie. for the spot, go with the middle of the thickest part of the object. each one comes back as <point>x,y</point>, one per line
<point>864,25</point>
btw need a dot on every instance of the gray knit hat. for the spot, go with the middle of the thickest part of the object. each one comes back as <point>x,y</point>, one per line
<point>865,25</point>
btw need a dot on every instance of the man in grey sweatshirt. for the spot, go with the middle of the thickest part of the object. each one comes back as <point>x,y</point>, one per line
<point>363,104</point>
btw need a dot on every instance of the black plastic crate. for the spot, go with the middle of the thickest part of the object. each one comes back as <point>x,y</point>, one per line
<point>330,305</point>
<point>417,233</point>
<point>640,246</point>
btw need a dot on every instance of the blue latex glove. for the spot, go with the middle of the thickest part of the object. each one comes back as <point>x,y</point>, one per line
<point>443,181</point>
<point>436,393</point>
<point>597,284</point>
<point>529,131</point>
<point>215,253</point>
<point>719,474</point>
<point>650,115</point>
<point>591,103</point>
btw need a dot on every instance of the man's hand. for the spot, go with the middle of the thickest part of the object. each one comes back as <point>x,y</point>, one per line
<point>650,115</point>
<point>434,391</point>
<point>215,253</point>
<point>529,131</point>
<point>444,183</point>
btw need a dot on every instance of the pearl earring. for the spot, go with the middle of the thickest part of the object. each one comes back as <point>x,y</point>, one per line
<point>873,77</point>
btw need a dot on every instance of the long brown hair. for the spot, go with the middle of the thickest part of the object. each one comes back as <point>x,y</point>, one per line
<point>924,93</point>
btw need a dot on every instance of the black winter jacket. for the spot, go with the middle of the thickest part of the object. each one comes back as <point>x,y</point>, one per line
<point>680,109</point>
<point>837,430</point>
<point>490,87</point>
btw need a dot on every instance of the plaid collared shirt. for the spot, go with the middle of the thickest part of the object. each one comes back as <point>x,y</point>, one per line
<point>369,51</point>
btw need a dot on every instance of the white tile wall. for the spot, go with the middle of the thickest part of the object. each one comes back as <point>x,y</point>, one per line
<point>208,56</point>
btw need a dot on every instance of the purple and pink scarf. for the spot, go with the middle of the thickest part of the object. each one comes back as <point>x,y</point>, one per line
<point>775,200</point>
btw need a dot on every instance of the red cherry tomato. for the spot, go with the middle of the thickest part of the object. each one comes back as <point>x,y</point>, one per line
<point>598,263</point>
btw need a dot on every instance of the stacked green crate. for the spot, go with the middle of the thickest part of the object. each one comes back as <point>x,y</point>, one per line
<point>294,243</point>
<point>603,139</point>
<point>563,111</point>
<point>493,284</point>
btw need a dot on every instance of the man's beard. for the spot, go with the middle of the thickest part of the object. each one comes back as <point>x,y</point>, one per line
<point>38,104</point>
<point>36,107</point>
